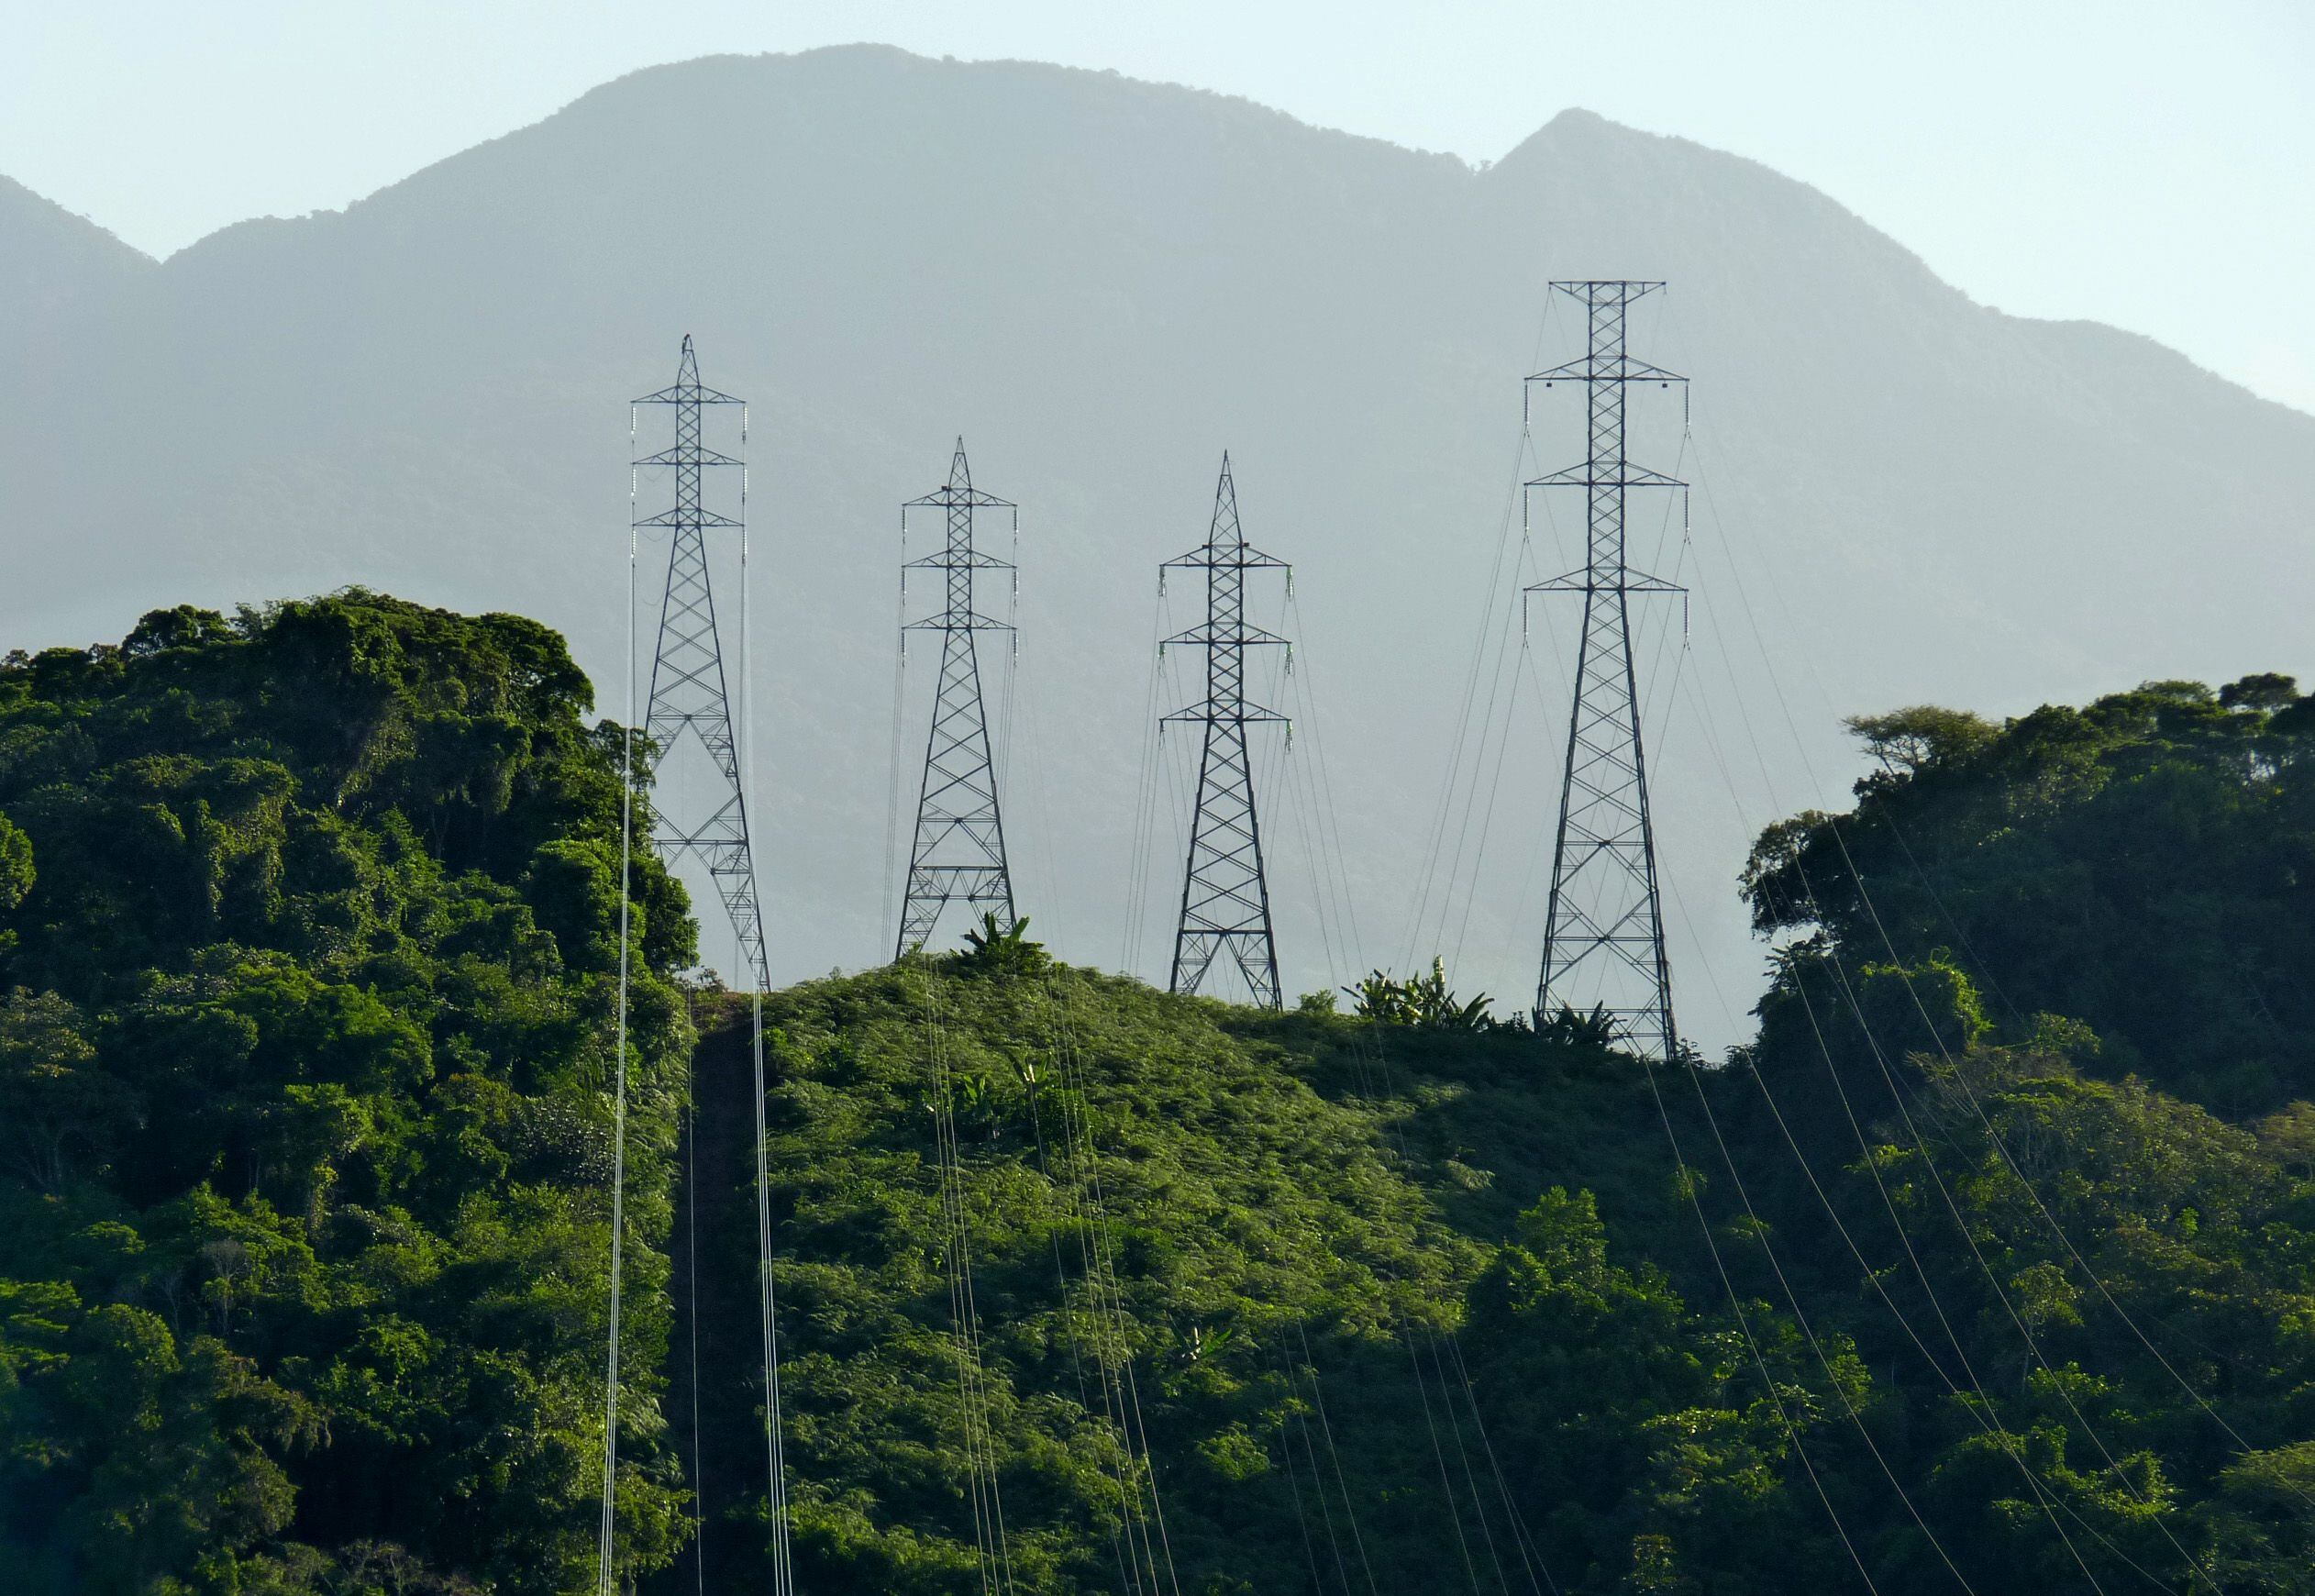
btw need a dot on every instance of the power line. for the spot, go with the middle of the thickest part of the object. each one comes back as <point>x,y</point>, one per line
<point>606,1529</point>
<point>985,1496</point>
<point>1897,1094</point>
<point>1114,1355</point>
<point>1984,1405</point>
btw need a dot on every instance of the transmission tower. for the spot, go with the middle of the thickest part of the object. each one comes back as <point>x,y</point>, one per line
<point>958,854</point>
<point>1225,901</point>
<point>691,700</point>
<point>689,697</point>
<point>1603,937</point>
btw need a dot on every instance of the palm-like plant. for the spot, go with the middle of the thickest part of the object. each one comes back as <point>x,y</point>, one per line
<point>1596,1031</point>
<point>1426,1001</point>
<point>996,949</point>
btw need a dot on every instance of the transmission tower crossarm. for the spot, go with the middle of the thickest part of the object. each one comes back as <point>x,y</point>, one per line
<point>687,394</point>
<point>694,517</point>
<point>966,495</point>
<point>1587,581</point>
<point>970,559</point>
<point>679,456</point>
<point>1237,714</point>
<point>1613,473</point>
<point>1609,366</point>
<point>963,621</point>
<point>1210,633</point>
<point>1238,558</point>
<point>966,621</point>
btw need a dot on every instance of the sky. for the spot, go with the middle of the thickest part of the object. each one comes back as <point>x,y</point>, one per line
<point>2143,164</point>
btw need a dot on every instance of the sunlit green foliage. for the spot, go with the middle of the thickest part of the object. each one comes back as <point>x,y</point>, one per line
<point>1406,1209</point>
<point>1279,1196</point>
<point>1422,1000</point>
<point>2021,934</point>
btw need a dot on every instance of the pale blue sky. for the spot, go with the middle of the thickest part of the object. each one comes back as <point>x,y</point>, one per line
<point>2145,164</point>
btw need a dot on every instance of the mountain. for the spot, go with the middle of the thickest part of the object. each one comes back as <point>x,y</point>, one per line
<point>1102,283</point>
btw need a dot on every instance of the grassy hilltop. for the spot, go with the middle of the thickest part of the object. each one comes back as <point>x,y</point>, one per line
<point>307,942</point>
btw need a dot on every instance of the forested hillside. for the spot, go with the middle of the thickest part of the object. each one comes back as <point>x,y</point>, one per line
<point>310,931</point>
<point>308,922</point>
<point>1445,1309</point>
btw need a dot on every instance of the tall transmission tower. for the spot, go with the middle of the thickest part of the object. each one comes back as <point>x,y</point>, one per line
<point>958,854</point>
<point>690,702</point>
<point>690,709</point>
<point>1603,937</point>
<point>1225,901</point>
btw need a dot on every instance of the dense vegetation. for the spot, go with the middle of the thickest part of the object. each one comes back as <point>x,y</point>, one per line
<point>1270,1205</point>
<point>1303,1219</point>
<point>2145,864</point>
<point>1944,1282</point>
<point>307,921</point>
<point>1907,1294</point>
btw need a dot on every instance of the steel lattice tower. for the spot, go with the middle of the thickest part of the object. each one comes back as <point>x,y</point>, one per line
<point>958,854</point>
<point>1225,901</point>
<point>1604,938</point>
<point>688,689</point>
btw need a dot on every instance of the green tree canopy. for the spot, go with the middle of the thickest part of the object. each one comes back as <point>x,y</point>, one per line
<point>2145,864</point>
<point>305,1022</point>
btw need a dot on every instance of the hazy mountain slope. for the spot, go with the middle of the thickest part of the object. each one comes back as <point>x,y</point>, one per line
<point>1102,283</point>
<point>52,265</point>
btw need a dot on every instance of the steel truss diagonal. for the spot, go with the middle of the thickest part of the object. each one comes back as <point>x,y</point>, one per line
<point>689,693</point>
<point>958,854</point>
<point>1603,937</point>
<point>1225,898</point>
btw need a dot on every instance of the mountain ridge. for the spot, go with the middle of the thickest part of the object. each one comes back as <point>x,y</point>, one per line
<point>12,193</point>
